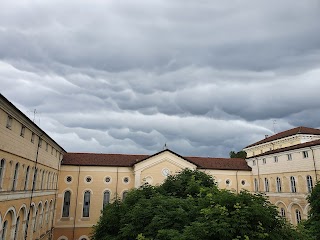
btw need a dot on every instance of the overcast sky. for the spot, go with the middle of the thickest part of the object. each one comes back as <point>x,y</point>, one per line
<point>205,77</point>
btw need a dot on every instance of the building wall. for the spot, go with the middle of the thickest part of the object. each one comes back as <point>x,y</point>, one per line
<point>279,143</point>
<point>73,179</point>
<point>25,152</point>
<point>302,168</point>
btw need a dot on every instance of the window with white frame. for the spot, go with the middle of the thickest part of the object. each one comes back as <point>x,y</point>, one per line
<point>2,165</point>
<point>66,204</point>
<point>106,198</point>
<point>266,184</point>
<point>275,158</point>
<point>86,204</point>
<point>16,229</point>
<point>298,216</point>
<point>305,154</point>
<point>309,183</point>
<point>4,230</point>
<point>264,161</point>
<point>124,194</point>
<point>256,186</point>
<point>254,162</point>
<point>289,156</point>
<point>278,184</point>
<point>9,122</point>
<point>23,130</point>
<point>283,212</point>
<point>26,179</point>
<point>293,184</point>
<point>15,177</point>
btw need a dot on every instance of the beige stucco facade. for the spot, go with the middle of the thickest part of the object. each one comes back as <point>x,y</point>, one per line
<point>42,198</point>
<point>29,167</point>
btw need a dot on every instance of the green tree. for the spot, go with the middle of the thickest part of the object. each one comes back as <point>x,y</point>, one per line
<point>240,154</point>
<point>312,225</point>
<point>189,206</point>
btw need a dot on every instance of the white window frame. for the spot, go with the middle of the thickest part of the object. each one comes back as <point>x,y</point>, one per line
<point>266,185</point>
<point>278,180</point>
<point>305,154</point>
<point>309,183</point>
<point>293,184</point>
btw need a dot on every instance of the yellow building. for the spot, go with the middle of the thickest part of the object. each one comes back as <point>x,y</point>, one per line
<point>46,193</point>
<point>285,167</point>
<point>89,181</point>
<point>29,167</point>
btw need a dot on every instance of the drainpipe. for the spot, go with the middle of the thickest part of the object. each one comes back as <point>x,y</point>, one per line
<point>237,181</point>
<point>55,200</point>
<point>76,205</point>
<point>32,188</point>
<point>258,175</point>
<point>314,165</point>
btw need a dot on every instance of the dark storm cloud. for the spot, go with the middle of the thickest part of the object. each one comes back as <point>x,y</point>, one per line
<point>128,76</point>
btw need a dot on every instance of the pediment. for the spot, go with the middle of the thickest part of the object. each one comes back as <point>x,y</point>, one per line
<point>163,157</point>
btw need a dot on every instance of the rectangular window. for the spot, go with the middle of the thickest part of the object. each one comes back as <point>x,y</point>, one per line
<point>51,150</point>
<point>47,147</point>
<point>305,154</point>
<point>9,122</point>
<point>23,129</point>
<point>289,157</point>
<point>32,137</point>
<point>86,204</point>
<point>253,162</point>
<point>275,159</point>
<point>264,161</point>
<point>40,142</point>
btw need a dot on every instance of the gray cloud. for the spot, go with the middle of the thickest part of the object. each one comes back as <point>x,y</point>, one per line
<point>121,76</point>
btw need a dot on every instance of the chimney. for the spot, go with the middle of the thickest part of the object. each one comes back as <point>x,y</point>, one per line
<point>266,136</point>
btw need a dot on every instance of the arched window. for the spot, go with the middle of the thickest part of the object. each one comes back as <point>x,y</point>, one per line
<point>34,183</point>
<point>266,184</point>
<point>298,216</point>
<point>283,212</point>
<point>15,177</point>
<point>293,184</point>
<point>256,186</point>
<point>26,179</point>
<point>309,183</point>
<point>2,163</point>
<point>4,230</point>
<point>48,181</point>
<point>278,184</point>
<point>66,204</point>
<point>106,198</point>
<point>16,230</point>
<point>124,194</point>
<point>86,204</point>
<point>42,180</point>
<point>35,222</point>
<point>41,215</point>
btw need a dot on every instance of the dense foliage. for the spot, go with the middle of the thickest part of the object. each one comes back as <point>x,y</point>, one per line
<point>312,225</point>
<point>189,206</point>
<point>240,154</point>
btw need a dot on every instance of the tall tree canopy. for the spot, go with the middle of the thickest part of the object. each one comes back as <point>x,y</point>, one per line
<point>189,206</point>
<point>240,154</point>
<point>313,222</point>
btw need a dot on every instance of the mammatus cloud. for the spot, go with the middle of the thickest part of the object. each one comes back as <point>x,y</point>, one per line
<point>204,77</point>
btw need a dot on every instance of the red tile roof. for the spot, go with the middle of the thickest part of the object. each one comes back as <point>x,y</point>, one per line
<point>290,132</point>
<point>301,145</point>
<point>127,160</point>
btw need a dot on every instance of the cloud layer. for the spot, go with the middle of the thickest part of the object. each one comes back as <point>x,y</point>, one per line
<point>205,77</point>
